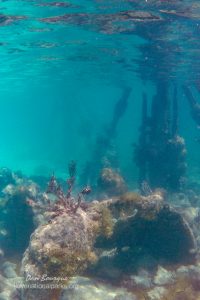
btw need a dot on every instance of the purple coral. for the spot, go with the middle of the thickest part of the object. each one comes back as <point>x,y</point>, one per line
<point>65,202</point>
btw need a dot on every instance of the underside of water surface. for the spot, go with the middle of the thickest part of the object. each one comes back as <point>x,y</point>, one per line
<point>99,150</point>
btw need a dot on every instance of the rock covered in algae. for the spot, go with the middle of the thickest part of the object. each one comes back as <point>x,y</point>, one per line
<point>60,249</point>
<point>111,182</point>
<point>132,227</point>
<point>16,214</point>
<point>166,237</point>
<point>147,227</point>
<point>18,221</point>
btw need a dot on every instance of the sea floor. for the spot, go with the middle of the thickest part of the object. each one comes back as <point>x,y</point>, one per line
<point>124,247</point>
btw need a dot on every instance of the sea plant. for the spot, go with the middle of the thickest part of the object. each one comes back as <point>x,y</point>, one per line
<point>107,224</point>
<point>65,202</point>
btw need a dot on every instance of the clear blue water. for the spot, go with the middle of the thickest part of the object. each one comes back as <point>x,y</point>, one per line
<point>64,66</point>
<point>61,77</point>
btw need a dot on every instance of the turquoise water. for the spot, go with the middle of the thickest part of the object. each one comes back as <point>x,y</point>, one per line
<point>102,97</point>
<point>61,77</point>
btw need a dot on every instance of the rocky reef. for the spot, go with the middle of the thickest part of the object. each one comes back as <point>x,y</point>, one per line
<point>108,240</point>
<point>129,246</point>
<point>17,216</point>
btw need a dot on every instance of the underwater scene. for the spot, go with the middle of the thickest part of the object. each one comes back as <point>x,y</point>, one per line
<point>100,150</point>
